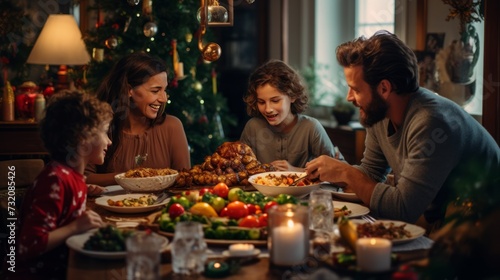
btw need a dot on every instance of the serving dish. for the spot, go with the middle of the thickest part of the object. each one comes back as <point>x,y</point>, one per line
<point>146,184</point>
<point>103,202</point>
<point>76,243</point>
<point>297,191</point>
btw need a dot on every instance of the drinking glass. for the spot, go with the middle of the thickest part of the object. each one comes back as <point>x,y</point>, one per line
<point>321,211</point>
<point>143,256</point>
<point>188,249</point>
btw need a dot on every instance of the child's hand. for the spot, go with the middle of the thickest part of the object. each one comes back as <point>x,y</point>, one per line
<point>88,220</point>
<point>281,165</point>
<point>94,190</point>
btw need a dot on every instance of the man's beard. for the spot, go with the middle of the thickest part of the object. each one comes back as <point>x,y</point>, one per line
<point>375,111</point>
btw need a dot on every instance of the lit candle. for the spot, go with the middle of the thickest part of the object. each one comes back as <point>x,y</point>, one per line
<point>241,249</point>
<point>217,269</point>
<point>288,244</point>
<point>373,254</point>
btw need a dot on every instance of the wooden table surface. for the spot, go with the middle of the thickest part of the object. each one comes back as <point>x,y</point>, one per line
<point>84,267</point>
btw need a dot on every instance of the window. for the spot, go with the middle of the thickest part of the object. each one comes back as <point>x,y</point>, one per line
<point>373,15</point>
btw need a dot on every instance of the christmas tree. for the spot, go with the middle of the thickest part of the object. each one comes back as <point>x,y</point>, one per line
<point>168,30</point>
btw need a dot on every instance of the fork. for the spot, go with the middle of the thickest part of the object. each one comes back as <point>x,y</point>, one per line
<point>161,197</point>
<point>294,183</point>
<point>368,218</point>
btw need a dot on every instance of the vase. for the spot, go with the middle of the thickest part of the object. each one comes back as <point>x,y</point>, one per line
<point>463,57</point>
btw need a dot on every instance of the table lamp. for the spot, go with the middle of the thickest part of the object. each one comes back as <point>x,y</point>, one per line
<point>60,43</point>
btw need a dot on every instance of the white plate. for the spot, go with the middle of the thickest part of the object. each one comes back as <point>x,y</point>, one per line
<point>338,192</point>
<point>103,202</point>
<point>357,210</point>
<point>113,189</point>
<point>253,254</point>
<point>76,243</point>
<point>415,230</point>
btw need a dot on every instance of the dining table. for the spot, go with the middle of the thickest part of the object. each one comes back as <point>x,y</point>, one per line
<point>82,266</point>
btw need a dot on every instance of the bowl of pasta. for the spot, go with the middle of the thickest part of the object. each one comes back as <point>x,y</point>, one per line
<point>145,180</point>
<point>279,182</point>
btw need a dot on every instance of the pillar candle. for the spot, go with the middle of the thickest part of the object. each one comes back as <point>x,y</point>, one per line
<point>180,70</point>
<point>288,244</point>
<point>373,254</point>
<point>214,81</point>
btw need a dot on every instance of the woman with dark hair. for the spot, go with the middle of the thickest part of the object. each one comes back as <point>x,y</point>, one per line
<point>143,134</point>
<point>427,141</point>
<point>278,132</point>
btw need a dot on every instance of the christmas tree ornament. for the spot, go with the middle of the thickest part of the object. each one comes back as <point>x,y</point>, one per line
<point>111,43</point>
<point>219,14</point>
<point>197,86</point>
<point>127,24</point>
<point>147,7</point>
<point>209,15</point>
<point>211,52</point>
<point>203,119</point>
<point>189,37</point>
<point>150,29</point>
<point>133,2</point>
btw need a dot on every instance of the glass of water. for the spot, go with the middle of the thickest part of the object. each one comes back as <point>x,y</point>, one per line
<point>321,211</point>
<point>143,256</point>
<point>189,249</point>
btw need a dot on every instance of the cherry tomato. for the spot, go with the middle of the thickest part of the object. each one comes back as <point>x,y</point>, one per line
<point>263,220</point>
<point>175,210</point>
<point>237,210</point>
<point>249,221</point>
<point>204,190</point>
<point>269,205</point>
<point>221,189</point>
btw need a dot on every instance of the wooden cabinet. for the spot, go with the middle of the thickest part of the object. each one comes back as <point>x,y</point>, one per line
<point>21,139</point>
<point>350,139</point>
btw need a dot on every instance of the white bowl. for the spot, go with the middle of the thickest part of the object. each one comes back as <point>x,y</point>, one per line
<point>146,184</point>
<point>297,191</point>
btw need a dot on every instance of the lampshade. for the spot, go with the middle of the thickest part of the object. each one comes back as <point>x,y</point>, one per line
<point>59,43</point>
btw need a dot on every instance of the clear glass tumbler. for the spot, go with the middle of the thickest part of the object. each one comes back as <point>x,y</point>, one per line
<point>188,249</point>
<point>143,256</point>
<point>321,211</point>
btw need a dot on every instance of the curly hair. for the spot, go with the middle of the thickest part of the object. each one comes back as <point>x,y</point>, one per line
<point>282,77</point>
<point>382,56</point>
<point>130,71</point>
<point>71,118</point>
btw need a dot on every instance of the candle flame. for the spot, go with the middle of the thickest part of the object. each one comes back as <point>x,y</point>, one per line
<point>290,224</point>
<point>217,265</point>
